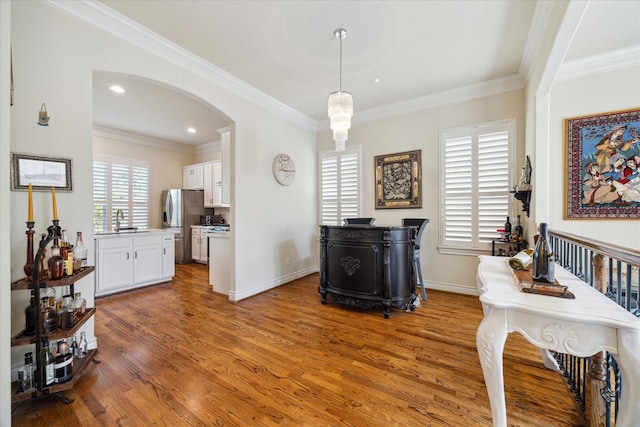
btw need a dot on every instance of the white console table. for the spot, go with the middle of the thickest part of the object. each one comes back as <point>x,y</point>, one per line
<point>582,327</point>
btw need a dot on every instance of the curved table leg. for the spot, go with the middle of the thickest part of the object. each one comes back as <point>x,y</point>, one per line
<point>490,339</point>
<point>629,363</point>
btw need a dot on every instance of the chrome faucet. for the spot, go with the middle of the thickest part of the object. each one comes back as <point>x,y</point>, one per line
<point>119,214</point>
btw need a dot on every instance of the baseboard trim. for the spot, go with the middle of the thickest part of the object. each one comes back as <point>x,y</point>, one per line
<point>238,296</point>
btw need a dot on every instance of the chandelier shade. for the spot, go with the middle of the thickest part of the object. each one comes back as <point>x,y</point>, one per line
<point>340,105</point>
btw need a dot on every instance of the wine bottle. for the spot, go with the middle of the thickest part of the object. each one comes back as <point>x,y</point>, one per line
<point>82,346</point>
<point>47,363</point>
<point>518,228</point>
<point>522,259</point>
<point>507,230</point>
<point>543,269</point>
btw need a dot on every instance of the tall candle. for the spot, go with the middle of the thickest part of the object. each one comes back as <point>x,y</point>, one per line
<point>55,207</point>
<point>30,215</point>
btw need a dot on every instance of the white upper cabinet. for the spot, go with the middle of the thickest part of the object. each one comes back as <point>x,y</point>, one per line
<point>193,177</point>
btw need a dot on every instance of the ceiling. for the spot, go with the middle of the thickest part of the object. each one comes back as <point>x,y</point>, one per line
<point>395,51</point>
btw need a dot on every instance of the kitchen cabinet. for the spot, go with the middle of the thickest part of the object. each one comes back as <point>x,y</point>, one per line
<point>126,262</point>
<point>199,249</point>
<point>219,262</point>
<point>168,256</point>
<point>225,181</point>
<point>193,177</point>
<point>213,185</point>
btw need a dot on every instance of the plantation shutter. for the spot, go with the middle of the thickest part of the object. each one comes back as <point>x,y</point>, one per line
<point>339,186</point>
<point>475,182</point>
<point>120,184</point>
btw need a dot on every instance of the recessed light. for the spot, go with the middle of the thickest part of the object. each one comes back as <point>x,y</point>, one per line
<point>191,130</point>
<point>376,80</point>
<point>117,89</point>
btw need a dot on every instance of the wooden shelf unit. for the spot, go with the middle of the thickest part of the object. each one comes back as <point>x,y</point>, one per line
<point>79,364</point>
<point>65,281</point>
<point>21,339</point>
<point>79,367</point>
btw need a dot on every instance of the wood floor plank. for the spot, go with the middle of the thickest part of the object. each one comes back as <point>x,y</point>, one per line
<point>178,354</point>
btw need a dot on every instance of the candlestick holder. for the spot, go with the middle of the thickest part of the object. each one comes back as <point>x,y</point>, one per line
<point>28,267</point>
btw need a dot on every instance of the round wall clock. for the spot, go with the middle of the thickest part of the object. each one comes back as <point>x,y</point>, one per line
<point>284,170</point>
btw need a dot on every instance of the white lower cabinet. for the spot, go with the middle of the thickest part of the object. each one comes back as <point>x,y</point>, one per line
<point>199,248</point>
<point>168,256</point>
<point>124,263</point>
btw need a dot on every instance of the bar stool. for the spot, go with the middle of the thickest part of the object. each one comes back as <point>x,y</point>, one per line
<point>361,221</point>
<point>420,224</point>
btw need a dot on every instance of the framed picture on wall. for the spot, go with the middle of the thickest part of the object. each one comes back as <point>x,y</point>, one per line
<point>41,172</point>
<point>602,166</point>
<point>398,180</point>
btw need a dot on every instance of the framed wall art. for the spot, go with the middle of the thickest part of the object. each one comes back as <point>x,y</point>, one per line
<point>602,166</point>
<point>41,172</point>
<point>398,180</point>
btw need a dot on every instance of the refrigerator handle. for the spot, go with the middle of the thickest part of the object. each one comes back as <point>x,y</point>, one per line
<point>169,208</point>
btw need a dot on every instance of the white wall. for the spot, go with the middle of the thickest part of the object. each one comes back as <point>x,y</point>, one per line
<point>5,213</point>
<point>421,131</point>
<point>54,57</point>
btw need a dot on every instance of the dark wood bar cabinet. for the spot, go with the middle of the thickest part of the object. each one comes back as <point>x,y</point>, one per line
<point>364,266</point>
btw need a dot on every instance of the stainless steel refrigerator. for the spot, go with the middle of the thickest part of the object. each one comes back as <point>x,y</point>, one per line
<point>180,210</point>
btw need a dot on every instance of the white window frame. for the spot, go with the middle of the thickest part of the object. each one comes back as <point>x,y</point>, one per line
<point>341,214</point>
<point>480,243</point>
<point>129,219</point>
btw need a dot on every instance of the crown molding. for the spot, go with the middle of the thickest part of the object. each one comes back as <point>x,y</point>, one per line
<point>541,16</point>
<point>594,64</point>
<point>208,147</point>
<point>98,15</point>
<point>134,138</point>
<point>447,97</point>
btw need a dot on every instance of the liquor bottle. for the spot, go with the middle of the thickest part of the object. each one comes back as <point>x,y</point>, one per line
<point>82,346</point>
<point>31,316</point>
<point>74,346</point>
<point>47,363</point>
<point>56,265</point>
<point>518,228</point>
<point>28,383</point>
<point>522,259</point>
<point>64,239</point>
<point>543,269</point>
<point>63,363</point>
<point>80,304</point>
<point>79,252</point>
<point>49,316</point>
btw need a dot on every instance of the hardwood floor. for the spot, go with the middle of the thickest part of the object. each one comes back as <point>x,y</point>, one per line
<point>178,354</point>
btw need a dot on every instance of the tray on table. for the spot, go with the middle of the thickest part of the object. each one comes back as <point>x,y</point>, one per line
<point>526,284</point>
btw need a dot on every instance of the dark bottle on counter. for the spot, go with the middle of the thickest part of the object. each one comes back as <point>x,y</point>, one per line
<point>507,228</point>
<point>31,316</point>
<point>518,229</point>
<point>543,267</point>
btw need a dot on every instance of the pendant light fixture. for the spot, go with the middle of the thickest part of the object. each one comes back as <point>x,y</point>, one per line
<point>340,105</point>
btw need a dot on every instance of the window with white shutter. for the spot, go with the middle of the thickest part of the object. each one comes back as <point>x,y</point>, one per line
<point>475,180</point>
<point>340,185</point>
<point>120,184</point>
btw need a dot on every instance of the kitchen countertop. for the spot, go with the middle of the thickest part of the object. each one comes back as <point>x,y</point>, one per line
<point>131,233</point>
